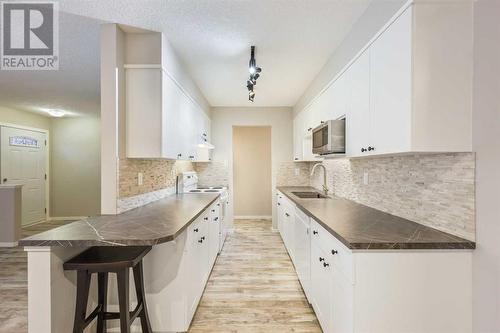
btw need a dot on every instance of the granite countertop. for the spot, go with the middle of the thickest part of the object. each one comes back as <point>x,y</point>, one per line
<point>158,222</point>
<point>360,227</point>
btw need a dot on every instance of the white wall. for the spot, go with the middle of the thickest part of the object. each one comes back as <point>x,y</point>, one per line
<point>373,19</point>
<point>280,120</point>
<point>486,144</point>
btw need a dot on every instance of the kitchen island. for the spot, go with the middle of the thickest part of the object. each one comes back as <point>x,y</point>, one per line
<point>184,232</point>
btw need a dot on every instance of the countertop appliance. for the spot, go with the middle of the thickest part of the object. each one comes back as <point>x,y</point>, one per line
<point>188,183</point>
<point>329,137</point>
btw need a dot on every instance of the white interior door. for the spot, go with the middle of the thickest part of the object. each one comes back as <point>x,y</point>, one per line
<point>22,161</point>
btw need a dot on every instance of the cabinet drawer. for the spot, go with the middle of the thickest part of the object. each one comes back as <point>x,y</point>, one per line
<point>338,254</point>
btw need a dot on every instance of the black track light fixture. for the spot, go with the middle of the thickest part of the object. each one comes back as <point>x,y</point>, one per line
<point>254,74</point>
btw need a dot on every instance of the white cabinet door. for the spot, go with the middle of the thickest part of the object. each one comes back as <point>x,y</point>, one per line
<point>298,136</point>
<point>358,115</point>
<point>390,87</point>
<point>342,307</point>
<point>143,100</point>
<point>321,285</point>
<point>303,252</point>
<point>214,227</point>
<point>173,119</point>
<point>289,226</point>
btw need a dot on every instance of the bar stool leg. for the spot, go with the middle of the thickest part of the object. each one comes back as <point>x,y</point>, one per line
<point>123,299</point>
<point>82,295</point>
<point>102,283</point>
<point>141,298</point>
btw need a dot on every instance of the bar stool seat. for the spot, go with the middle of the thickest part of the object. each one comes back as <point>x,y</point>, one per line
<point>104,260</point>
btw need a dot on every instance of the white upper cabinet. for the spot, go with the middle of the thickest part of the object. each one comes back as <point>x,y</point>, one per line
<point>390,88</point>
<point>162,120</point>
<point>409,89</point>
<point>358,131</point>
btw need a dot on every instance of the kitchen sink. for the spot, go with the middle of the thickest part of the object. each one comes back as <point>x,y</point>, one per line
<point>310,195</point>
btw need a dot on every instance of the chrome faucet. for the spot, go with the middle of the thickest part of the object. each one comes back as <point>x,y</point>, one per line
<point>325,188</point>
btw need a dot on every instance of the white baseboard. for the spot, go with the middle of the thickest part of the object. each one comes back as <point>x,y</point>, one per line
<point>253,217</point>
<point>66,218</point>
<point>8,244</point>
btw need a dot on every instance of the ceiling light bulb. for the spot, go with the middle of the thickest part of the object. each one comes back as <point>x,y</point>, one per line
<point>56,113</point>
<point>251,70</point>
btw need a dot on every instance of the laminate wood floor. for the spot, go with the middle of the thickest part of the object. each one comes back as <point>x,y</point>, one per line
<point>253,287</point>
<point>14,284</point>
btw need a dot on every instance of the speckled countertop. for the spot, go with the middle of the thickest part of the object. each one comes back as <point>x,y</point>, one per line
<point>360,227</point>
<point>158,222</point>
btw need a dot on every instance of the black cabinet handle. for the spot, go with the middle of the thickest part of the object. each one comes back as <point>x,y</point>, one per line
<point>363,150</point>
<point>326,264</point>
<point>296,158</point>
<point>315,232</point>
<point>334,252</point>
<point>309,129</point>
<point>179,155</point>
<point>191,156</point>
<point>196,230</point>
<point>205,218</point>
<point>371,148</point>
<point>213,210</point>
<point>321,259</point>
<point>200,241</point>
<point>218,204</point>
<point>204,134</point>
<point>322,122</point>
<point>216,219</point>
<point>279,204</point>
<point>203,238</point>
<point>5,180</point>
<point>287,215</point>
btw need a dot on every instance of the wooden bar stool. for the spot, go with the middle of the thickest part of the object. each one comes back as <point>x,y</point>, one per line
<point>104,260</point>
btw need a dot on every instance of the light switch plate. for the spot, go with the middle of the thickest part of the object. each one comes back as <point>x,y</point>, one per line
<point>140,178</point>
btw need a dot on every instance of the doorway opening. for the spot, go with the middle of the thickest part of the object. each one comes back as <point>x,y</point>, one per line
<point>252,180</point>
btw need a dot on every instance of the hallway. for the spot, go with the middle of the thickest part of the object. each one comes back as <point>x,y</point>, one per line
<point>253,287</point>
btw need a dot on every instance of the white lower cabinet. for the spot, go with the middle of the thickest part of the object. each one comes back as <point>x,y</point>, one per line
<point>173,290</point>
<point>321,287</point>
<point>302,250</point>
<point>377,291</point>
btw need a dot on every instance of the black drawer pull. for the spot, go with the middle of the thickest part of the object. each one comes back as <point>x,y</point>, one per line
<point>325,264</point>
<point>196,230</point>
<point>315,232</point>
<point>321,259</point>
<point>334,252</point>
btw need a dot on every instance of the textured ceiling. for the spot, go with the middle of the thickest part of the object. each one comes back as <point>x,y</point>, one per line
<point>294,39</point>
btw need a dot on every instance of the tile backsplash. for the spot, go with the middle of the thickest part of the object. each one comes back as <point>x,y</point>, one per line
<point>293,174</point>
<point>436,190</point>
<point>212,174</point>
<point>158,174</point>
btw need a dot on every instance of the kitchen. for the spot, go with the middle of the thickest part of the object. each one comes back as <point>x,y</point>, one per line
<point>352,196</point>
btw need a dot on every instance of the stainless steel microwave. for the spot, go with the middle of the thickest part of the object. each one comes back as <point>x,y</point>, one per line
<point>329,137</point>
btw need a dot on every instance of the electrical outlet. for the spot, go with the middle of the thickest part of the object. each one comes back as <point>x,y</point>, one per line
<point>365,178</point>
<point>297,171</point>
<point>140,178</point>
